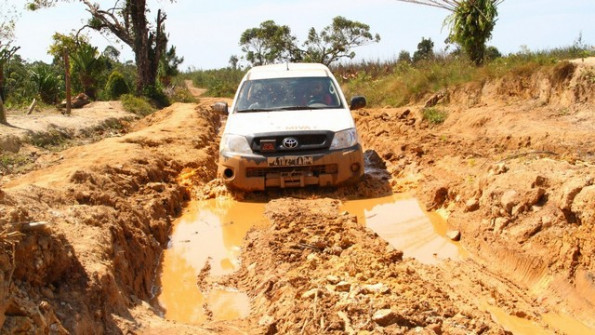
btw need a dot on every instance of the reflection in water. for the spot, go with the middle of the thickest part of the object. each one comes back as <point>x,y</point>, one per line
<point>400,221</point>
<point>210,231</point>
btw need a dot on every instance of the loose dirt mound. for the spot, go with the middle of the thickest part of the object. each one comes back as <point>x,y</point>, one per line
<point>88,232</point>
<point>316,271</point>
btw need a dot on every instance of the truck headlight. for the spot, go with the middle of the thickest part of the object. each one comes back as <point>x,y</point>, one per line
<point>344,139</point>
<point>234,143</point>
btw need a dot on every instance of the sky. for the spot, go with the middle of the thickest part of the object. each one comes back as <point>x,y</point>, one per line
<point>207,33</point>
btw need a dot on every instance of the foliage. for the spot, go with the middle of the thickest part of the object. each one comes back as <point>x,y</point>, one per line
<point>219,83</point>
<point>116,85</point>
<point>434,115</point>
<point>404,57</point>
<point>168,66</point>
<point>471,24</point>
<point>269,43</point>
<point>137,105</point>
<point>425,50</point>
<point>20,89</point>
<point>399,83</point>
<point>7,50</point>
<point>128,22</point>
<point>47,82</point>
<point>156,95</point>
<point>87,66</point>
<point>337,41</point>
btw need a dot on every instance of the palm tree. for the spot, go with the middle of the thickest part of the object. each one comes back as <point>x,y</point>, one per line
<point>471,23</point>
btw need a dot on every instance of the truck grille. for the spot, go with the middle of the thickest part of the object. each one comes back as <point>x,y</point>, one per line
<point>265,143</point>
<point>313,170</point>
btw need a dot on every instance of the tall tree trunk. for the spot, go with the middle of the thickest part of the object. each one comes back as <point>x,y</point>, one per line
<point>141,44</point>
<point>67,82</point>
<point>2,114</point>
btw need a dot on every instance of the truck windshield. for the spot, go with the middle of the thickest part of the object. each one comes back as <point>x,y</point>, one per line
<point>279,94</point>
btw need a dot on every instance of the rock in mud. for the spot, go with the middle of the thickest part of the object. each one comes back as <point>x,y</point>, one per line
<point>332,279</point>
<point>569,192</point>
<point>343,286</point>
<point>379,288</point>
<point>384,317</point>
<point>471,205</point>
<point>454,235</point>
<point>508,200</point>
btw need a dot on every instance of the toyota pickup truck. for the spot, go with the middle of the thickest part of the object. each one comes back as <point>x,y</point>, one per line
<point>290,126</point>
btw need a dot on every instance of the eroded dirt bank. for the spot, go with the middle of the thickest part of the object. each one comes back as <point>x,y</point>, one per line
<point>82,238</point>
<point>511,167</point>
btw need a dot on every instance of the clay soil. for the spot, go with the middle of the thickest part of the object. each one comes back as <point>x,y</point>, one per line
<point>512,168</point>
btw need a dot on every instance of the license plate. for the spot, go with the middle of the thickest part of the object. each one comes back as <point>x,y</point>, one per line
<point>290,161</point>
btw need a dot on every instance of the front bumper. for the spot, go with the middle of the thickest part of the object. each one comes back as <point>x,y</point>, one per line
<point>254,172</point>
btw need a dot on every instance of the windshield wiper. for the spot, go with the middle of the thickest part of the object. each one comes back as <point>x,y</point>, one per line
<point>295,108</point>
<point>253,110</point>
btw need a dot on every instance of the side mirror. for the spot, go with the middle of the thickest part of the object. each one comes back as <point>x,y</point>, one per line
<point>220,107</point>
<point>357,102</point>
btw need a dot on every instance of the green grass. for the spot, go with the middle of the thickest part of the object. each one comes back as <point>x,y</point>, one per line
<point>398,84</point>
<point>219,83</point>
<point>434,115</point>
<point>137,105</point>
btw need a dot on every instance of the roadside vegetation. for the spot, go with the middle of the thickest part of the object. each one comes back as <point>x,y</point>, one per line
<point>405,81</point>
<point>408,78</point>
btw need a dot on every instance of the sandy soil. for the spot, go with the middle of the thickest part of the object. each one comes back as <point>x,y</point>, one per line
<point>511,168</point>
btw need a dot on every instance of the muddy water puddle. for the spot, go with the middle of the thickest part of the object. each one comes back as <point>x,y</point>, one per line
<point>208,232</point>
<point>212,232</point>
<point>400,221</point>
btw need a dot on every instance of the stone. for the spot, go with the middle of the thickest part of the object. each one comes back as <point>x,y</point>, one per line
<point>310,294</point>
<point>454,235</point>
<point>384,317</point>
<point>508,200</point>
<point>499,168</point>
<point>343,286</point>
<point>471,205</point>
<point>333,279</point>
<point>500,223</point>
<point>379,288</point>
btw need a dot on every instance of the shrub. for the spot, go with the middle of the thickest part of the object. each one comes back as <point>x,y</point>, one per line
<point>434,115</point>
<point>156,95</point>
<point>137,105</point>
<point>116,85</point>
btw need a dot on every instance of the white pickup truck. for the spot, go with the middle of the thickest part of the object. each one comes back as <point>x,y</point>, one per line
<point>290,126</point>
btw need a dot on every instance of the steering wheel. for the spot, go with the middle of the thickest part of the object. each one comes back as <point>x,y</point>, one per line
<point>316,103</point>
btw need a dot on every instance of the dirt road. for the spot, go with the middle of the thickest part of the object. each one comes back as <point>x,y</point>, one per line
<point>511,169</point>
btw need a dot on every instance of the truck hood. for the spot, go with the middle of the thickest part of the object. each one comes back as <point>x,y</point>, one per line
<point>286,121</point>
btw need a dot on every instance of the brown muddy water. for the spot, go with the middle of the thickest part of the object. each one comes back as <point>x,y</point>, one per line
<point>212,232</point>
<point>209,231</point>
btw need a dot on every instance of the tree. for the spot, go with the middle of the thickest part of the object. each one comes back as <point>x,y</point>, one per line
<point>425,50</point>
<point>87,67</point>
<point>7,50</point>
<point>269,43</point>
<point>168,66</point>
<point>471,23</point>
<point>62,48</point>
<point>404,57</point>
<point>336,41</point>
<point>128,22</point>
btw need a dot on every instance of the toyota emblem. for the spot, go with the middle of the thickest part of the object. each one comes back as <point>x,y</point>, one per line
<point>290,143</point>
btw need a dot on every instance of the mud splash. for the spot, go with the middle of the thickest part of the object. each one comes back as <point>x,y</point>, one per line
<point>399,220</point>
<point>209,232</point>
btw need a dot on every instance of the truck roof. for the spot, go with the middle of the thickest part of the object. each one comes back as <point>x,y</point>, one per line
<point>288,70</point>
